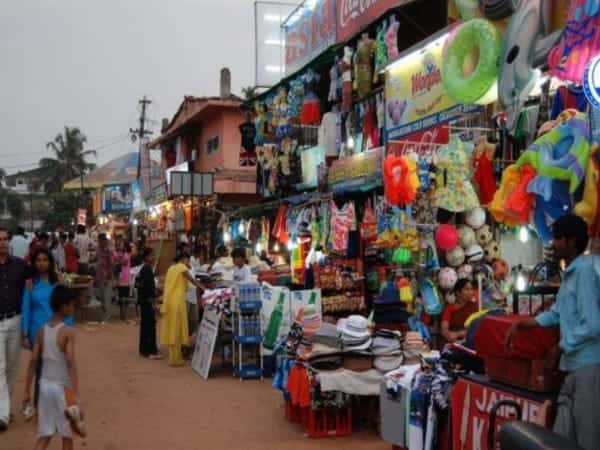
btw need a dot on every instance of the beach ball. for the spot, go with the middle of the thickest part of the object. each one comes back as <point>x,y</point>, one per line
<point>447,278</point>
<point>446,237</point>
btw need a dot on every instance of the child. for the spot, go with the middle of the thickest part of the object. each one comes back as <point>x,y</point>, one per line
<point>146,291</point>
<point>241,270</point>
<point>58,404</point>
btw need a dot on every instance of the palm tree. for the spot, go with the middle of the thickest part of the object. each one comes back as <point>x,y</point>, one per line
<point>249,92</point>
<point>69,162</point>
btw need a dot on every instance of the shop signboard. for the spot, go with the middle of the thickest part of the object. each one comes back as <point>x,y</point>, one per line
<point>308,33</point>
<point>354,16</point>
<point>159,194</point>
<point>139,204</point>
<point>415,96</point>
<point>206,337</point>
<point>471,405</point>
<point>422,141</point>
<point>361,168</point>
<point>117,198</point>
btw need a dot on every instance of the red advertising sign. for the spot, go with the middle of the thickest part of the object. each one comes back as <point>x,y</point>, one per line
<point>309,32</point>
<point>471,406</point>
<point>355,15</point>
<point>421,142</point>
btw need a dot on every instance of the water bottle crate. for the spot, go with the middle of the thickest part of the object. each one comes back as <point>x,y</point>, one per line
<point>248,340</point>
<point>250,305</point>
<point>248,372</point>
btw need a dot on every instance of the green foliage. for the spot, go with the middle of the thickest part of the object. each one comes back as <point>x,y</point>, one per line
<point>63,208</point>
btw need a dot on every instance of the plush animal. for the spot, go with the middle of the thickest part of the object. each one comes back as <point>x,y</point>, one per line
<point>492,252</point>
<point>510,180</point>
<point>484,235</point>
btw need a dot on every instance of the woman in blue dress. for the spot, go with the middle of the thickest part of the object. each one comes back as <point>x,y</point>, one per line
<point>36,301</point>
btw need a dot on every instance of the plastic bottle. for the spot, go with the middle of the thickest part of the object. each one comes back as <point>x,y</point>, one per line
<point>274,323</point>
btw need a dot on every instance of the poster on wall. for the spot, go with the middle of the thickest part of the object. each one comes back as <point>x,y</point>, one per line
<point>206,338</point>
<point>416,99</point>
<point>276,317</point>
<point>308,33</point>
<point>117,198</point>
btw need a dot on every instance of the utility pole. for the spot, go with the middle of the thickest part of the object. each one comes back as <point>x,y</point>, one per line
<point>144,157</point>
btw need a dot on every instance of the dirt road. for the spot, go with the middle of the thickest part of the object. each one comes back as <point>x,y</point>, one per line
<point>136,404</point>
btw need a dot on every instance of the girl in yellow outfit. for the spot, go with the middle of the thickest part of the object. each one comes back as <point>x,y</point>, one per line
<point>174,323</point>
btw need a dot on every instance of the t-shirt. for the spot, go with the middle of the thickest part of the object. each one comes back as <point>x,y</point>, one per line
<point>82,243</point>
<point>248,132</point>
<point>456,317</point>
<point>70,258</point>
<point>145,284</point>
<point>242,274</point>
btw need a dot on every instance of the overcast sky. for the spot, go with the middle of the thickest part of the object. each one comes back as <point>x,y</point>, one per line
<point>86,63</point>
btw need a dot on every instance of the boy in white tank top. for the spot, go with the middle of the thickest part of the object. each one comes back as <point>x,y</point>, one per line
<point>58,407</point>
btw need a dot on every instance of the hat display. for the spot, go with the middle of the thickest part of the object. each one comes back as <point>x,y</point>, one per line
<point>388,363</point>
<point>311,321</point>
<point>355,333</point>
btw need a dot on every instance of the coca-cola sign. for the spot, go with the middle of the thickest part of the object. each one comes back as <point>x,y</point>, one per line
<point>355,15</point>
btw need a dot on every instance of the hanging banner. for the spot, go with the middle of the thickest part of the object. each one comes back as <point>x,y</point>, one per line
<point>308,33</point>
<point>353,15</point>
<point>416,99</point>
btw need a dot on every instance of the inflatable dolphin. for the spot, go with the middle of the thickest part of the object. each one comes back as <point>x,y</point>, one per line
<point>526,47</point>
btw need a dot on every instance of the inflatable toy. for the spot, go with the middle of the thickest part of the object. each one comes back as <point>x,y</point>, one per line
<point>401,256</point>
<point>447,278</point>
<point>474,253</point>
<point>553,202</point>
<point>587,208</point>
<point>519,203</point>
<point>484,235</point>
<point>466,236</point>
<point>510,180</point>
<point>446,237</point>
<point>455,257</point>
<point>560,154</point>
<point>526,46</point>
<point>467,9</point>
<point>401,180</point>
<point>492,252</point>
<point>475,218</point>
<point>476,37</point>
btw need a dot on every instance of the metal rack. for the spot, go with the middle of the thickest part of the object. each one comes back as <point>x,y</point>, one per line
<point>247,335</point>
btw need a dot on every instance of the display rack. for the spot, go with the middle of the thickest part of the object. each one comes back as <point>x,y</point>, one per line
<point>247,334</point>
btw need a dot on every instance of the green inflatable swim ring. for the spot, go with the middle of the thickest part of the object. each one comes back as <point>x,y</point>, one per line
<point>478,38</point>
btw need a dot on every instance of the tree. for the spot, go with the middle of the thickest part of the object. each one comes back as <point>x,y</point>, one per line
<point>249,92</point>
<point>63,208</point>
<point>70,159</point>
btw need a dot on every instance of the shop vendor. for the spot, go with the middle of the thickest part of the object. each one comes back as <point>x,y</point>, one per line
<point>577,313</point>
<point>456,314</point>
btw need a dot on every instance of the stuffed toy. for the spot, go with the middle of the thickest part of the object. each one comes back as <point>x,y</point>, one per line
<point>492,252</point>
<point>510,180</point>
<point>484,235</point>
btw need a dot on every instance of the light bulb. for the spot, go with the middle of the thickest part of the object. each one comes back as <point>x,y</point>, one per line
<point>258,247</point>
<point>226,237</point>
<point>241,228</point>
<point>290,245</point>
<point>135,221</point>
<point>350,142</point>
<point>523,234</point>
<point>276,247</point>
<point>521,283</point>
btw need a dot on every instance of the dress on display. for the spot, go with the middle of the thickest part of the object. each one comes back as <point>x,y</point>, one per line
<point>391,39</point>
<point>364,65</point>
<point>346,69</point>
<point>484,172</point>
<point>311,107</point>
<point>455,191</point>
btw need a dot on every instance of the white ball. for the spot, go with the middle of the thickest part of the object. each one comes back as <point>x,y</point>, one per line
<point>474,253</point>
<point>465,272</point>
<point>466,236</point>
<point>455,257</point>
<point>447,278</point>
<point>475,217</point>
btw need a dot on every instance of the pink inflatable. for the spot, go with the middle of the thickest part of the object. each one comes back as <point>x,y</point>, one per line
<point>579,43</point>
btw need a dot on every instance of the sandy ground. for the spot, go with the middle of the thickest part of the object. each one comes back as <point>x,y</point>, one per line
<point>132,403</point>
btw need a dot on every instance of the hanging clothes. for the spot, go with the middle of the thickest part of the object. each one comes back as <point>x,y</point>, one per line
<point>483,164</point>
<point>391,39</point>
<point>343,220</point>
<point>363,65</point>
<point>568,97</point>
<point>346,69</point>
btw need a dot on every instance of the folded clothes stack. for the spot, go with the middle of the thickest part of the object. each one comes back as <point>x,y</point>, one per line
<point>355,333</point>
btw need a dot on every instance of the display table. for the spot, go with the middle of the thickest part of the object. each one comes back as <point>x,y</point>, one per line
<point>474,396</point>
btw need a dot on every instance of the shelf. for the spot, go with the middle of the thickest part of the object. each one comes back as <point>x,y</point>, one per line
<point>248,340</point>
<point>248,372</point>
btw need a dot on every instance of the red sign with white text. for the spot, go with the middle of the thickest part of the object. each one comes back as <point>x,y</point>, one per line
<point>421,142</point>
<point>310,34</point>
<point>355,15</point>
<point>471,406</point>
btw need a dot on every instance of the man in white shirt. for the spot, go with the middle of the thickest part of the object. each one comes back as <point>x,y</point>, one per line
<point>241,270</point>
<point>83,244</point>
<point>19,245</point>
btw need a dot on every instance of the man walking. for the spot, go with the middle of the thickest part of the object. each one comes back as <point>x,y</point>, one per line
<point>104,275</point>
<point>84,245</point>
<point>19,245</point>
<point>577,313</point>
<point>13,273</point>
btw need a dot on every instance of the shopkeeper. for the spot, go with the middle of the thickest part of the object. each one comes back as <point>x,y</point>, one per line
<point>456,314</point>
<point>577,313</point>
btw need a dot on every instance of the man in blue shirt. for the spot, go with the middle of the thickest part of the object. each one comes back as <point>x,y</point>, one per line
<point>577,313</point>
